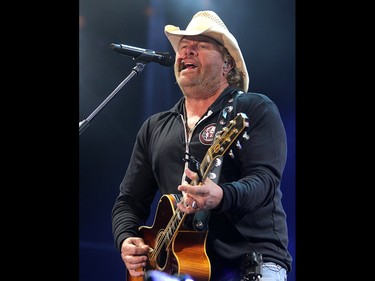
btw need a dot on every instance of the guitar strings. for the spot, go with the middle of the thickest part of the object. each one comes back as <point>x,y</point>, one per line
<point>173,221</point>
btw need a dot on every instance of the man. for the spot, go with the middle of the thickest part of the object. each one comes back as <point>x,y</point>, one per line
<point>237,204</point>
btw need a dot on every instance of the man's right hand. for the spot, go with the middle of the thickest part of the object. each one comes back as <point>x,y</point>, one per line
<point>134,254</point>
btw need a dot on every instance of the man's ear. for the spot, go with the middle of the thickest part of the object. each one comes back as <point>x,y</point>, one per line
<point>227,66</point>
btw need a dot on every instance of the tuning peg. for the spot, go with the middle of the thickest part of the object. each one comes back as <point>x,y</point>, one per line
<point>245,136</point>
<point>238,144</point>
<point>230,153</point>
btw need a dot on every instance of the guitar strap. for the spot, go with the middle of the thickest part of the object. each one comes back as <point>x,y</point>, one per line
<point>200,220</point>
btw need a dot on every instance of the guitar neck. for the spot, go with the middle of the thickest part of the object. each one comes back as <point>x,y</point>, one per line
<point>174,224</point>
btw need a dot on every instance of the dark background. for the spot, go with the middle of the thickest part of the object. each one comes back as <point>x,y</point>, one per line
<point>265,31</point>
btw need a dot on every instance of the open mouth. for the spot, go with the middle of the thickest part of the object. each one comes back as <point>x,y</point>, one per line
<point>184,65</point>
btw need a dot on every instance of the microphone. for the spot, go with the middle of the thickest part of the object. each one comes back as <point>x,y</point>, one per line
<point>145,55</point>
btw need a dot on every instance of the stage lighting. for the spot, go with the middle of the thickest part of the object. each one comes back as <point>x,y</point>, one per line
<point>155,275</point>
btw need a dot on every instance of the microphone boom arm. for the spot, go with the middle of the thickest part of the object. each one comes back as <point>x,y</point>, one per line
<point>136,69</point>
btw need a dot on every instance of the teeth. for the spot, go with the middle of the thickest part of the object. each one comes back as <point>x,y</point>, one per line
<point>184,65</point>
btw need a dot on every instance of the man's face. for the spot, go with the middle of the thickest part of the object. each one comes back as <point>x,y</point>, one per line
<point>198,61</point>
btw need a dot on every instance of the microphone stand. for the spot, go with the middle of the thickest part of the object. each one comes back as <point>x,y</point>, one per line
<point>136,69</point>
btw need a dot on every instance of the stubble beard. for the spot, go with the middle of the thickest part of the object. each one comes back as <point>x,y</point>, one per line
<point>198,86</point>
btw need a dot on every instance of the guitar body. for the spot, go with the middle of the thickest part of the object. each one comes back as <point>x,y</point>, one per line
<point>184,254</point>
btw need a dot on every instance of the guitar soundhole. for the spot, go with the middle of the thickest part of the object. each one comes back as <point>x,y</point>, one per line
<point>162,258</point>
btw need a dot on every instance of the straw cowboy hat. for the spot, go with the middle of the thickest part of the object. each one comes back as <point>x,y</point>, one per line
<point>209,23</point>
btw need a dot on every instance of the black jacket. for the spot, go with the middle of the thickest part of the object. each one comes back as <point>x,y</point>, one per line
<point>250,216</point>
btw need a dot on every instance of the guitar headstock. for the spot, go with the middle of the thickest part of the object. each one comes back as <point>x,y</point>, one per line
<point>224,139</point>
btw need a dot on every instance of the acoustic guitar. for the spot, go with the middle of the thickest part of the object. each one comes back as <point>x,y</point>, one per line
<point>176,247</point>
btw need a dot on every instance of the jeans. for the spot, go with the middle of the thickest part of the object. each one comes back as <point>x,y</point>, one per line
<point>273,272</point>
<point>270,272</point>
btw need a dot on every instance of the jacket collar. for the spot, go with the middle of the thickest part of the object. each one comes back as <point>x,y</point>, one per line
<point>218,104</point>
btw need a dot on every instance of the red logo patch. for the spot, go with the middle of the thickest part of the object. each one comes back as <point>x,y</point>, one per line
<point>207,135</point>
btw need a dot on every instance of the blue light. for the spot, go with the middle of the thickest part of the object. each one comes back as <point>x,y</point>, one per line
<point>155,275</point>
